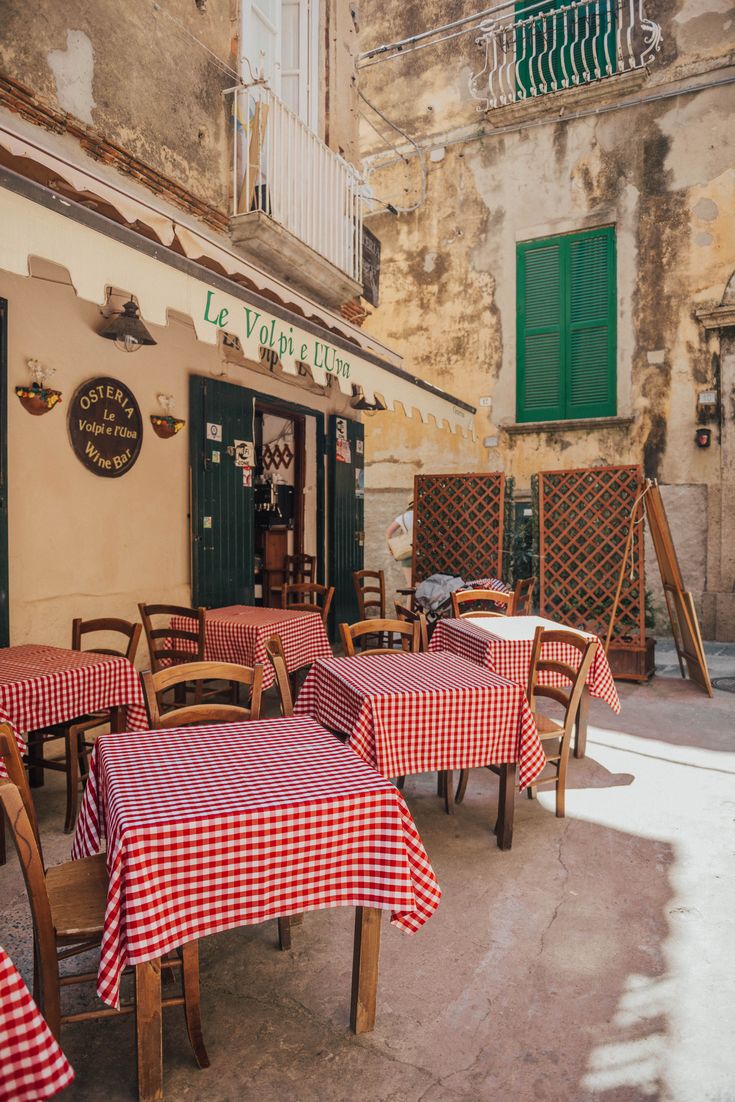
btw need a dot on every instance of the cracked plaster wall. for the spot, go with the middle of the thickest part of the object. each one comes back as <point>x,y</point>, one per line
<point>662,174</point>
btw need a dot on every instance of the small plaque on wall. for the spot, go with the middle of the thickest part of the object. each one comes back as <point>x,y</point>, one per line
<point>105,427</point>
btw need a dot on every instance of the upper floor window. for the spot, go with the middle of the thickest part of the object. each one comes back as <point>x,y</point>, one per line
<point>281,42</point>
<point>566,316</point>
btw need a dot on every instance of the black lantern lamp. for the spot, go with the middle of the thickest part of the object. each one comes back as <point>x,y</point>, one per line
<point>127,330</point>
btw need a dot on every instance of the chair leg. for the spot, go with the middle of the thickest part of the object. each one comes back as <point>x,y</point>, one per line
<point>531,792</point>
<point>400,781</point>
<point>461,786</point>
<point>71,749</point>
<point>192,1002</point>
<point>284,933</point>
<point>3,852</point>
<point>440,782</point>
<point>449,792</point>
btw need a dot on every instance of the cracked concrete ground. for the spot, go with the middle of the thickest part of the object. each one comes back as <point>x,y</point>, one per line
<point>591,962</point>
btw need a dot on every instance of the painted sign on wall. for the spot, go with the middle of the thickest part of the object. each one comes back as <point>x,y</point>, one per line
<point>105,427</point>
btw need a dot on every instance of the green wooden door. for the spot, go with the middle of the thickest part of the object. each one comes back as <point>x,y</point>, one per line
<point>4,629</point>
<point>346,514</point>
<point>221,502</point>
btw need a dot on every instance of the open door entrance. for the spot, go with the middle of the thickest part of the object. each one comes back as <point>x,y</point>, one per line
<point>222,460</point>
<point>346,514</point>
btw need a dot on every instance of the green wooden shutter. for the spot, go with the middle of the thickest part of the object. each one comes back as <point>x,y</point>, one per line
<point>346,518</point>
<point>591,307</point>
<point>222,509</point>
<point>574,47</point>
<point>540,395</point>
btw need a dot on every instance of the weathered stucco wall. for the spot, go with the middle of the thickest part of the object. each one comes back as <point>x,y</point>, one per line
<point>661,173</point>
<point>135,77</point>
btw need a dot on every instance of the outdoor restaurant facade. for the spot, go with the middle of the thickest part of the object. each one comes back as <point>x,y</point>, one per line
<point>103,499</point>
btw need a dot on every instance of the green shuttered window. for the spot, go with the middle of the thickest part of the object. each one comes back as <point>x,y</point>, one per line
<point>566,327</point>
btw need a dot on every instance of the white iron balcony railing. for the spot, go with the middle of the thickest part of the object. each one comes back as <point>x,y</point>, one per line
<point>534,49</point>
<point>283,169</point>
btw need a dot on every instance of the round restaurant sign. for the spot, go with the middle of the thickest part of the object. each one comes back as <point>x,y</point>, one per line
<point>105,426</point>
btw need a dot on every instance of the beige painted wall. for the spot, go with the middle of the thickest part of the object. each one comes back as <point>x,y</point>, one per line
<point>81,545</point>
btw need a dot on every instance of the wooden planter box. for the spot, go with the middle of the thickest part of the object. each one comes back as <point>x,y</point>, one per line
<point>633,661</point>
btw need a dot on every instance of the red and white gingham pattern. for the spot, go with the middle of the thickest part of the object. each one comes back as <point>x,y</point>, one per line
<point>41,686</point>
<point>239,634</point>
<point>475,640</point>
<point>490,583</point>
<point>32,1066</point>
<point>211,828</point>
<point>416,713</point>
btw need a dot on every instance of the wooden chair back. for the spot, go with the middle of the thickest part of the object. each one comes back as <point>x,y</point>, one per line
<point>407,635</point>
<point>300,568</point>
<point>523,597</point>
<point>275,652</point>
<point>30,857</point>
<point>567,697</point>
<point>167,645</point>
<point>409,616</point>
<point>308,597</point>
<point>463,597</point>
<point>11,759</point>
<point>370,592</point>
<point>154,684</point>
<point>109,625</point>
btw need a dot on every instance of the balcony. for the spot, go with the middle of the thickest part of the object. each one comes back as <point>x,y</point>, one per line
<point>297,205</point>
<point>567,47</point>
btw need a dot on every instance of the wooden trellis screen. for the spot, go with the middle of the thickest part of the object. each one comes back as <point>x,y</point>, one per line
<point>584,520</point>
<point>458,525</point>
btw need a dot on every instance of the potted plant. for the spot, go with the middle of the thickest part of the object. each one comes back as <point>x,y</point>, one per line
<point>38,398</point>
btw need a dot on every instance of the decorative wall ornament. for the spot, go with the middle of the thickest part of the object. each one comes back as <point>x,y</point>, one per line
<point>37,398</point>
<point>165,424</point>
<point>275,456</point>
<point>105,427</point>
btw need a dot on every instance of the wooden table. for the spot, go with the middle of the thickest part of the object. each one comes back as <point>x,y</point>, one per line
<point>32,1065</point>
<point>503,644</point>
<point>420,713</point>
<point>270,810</point>
<point>239,633</point>
<point>43,686</point>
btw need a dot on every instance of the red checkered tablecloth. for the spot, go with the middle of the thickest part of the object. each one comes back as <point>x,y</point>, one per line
<point>41,686</point>
<point>32,1066</point>
<point>419,713</point>
<point>210,828</point>
<point>503,645</point>
<point>239,634</point>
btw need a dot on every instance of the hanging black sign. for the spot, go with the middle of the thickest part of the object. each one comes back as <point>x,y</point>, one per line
<point>370,266</point>
<point>105,426</point>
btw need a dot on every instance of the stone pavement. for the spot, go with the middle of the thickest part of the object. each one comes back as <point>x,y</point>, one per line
<point>592,962</point>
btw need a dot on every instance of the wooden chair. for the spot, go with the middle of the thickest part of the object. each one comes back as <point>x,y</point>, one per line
<point>67,905</point>
<point>74,763</point>
<point>275,652</point>
<point>300,568</point>
<point>560,733</point>
<point>406,635</point>
<point>370,592</point>
<point>410,617</point>
<point>463,597</point>
<point>295,596</point>
<point>556,735</point>
<point>523,597</point>
<point>168,646</point>
<point>154,684</point>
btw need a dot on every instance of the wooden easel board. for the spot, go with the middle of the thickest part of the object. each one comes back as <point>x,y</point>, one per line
<point>679,601</point>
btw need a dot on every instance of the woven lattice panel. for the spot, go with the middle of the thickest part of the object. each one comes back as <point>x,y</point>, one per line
<point>584,518</point>
<point>458,525</point>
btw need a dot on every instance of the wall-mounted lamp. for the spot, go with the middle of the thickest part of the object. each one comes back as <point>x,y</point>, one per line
<point>127,330</point>
<point>359,401</point>
<point>703,437</point>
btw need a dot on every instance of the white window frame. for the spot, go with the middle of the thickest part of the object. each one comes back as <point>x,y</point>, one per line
<point>309,72</point>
